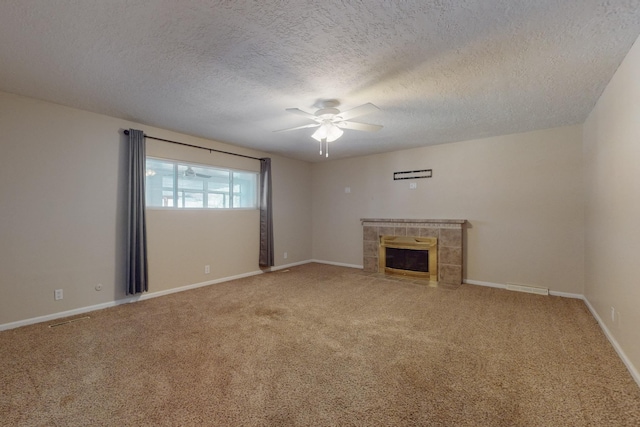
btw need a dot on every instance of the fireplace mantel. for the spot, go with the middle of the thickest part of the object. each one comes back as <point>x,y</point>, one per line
<point>416,221</point>
<point>448,233</point>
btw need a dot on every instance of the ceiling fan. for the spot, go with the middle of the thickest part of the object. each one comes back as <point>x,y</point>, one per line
<point>330,121</point>
<point>190,173</point>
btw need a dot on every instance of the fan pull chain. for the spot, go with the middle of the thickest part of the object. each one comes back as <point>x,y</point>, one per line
<point>321,146</point>
<point>326,149</point>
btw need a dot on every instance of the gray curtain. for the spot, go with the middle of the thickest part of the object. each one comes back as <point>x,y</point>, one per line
<point>137,272</point>
<point>266,215</point>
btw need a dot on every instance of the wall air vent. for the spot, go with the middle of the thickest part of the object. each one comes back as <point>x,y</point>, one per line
<point>424,173</point>
<point>527,289</point>
<point>66,322</point>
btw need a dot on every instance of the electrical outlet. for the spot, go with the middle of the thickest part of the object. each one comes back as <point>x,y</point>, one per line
<point>99,287</point>
<point>413,185</point>
<point>207,269</point>
<point>285,255</point>
<point>347,189</point>
<point>57,295</point>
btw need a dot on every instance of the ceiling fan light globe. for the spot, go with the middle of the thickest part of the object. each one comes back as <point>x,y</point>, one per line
<point>320,134</point>
<point>334,133</point>
<point>327,131</point>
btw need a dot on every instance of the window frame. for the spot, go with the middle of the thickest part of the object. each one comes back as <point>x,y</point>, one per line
<point>179,193</point>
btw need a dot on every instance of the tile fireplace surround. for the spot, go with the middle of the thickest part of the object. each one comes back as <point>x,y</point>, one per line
<point>447,231</point>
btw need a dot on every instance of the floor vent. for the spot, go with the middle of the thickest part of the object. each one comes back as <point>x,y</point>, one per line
<point>527,289</point>
<point>66,322</point>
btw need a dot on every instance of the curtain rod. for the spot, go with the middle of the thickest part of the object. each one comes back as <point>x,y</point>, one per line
<point>126,132</point>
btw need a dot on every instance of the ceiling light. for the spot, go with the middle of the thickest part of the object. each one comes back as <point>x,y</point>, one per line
<point>327,131</point>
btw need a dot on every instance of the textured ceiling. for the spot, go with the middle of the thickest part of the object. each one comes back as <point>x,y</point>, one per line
<point>440,71</point>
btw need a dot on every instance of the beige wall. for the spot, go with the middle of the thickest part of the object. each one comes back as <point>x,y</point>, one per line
<point>612,181</point>
<point>291,210</point>
<point>62,183</point>
<point>522,195</point>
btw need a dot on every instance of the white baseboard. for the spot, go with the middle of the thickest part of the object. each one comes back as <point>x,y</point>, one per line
<point>293,264</point>
<point>319,261</point>
<point>339,264</point>
<point>487,284</point>
<point>501,286</point>
<point>61,314</point>
<point>630,367</point>
<point>149,295</point>
<point>566,295</point>
<point>82,310</point>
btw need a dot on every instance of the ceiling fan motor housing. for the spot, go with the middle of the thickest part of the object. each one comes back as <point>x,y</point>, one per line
<point>327,113</point>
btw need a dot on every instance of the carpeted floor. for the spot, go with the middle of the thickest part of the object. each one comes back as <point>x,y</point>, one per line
<point>320,345</point>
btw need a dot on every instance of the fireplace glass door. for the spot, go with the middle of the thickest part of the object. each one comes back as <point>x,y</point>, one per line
<point>407,259</point>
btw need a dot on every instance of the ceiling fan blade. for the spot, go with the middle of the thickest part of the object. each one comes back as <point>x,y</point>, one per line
<point>312,125</point>
<point>302,113</point>
<point>359,126</point>
<point>363,109</point>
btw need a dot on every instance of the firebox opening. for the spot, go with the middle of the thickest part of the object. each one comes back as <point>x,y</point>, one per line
<point>409,256</point>
<point>407,259</point>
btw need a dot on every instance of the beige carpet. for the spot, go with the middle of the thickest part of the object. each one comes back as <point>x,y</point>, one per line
<point>320,346</point>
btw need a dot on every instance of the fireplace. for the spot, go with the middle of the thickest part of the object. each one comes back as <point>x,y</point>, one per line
<point>409,256</point>
<point>442,238</point>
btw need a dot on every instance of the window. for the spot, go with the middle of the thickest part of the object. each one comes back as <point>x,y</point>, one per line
<point>172,184</point>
